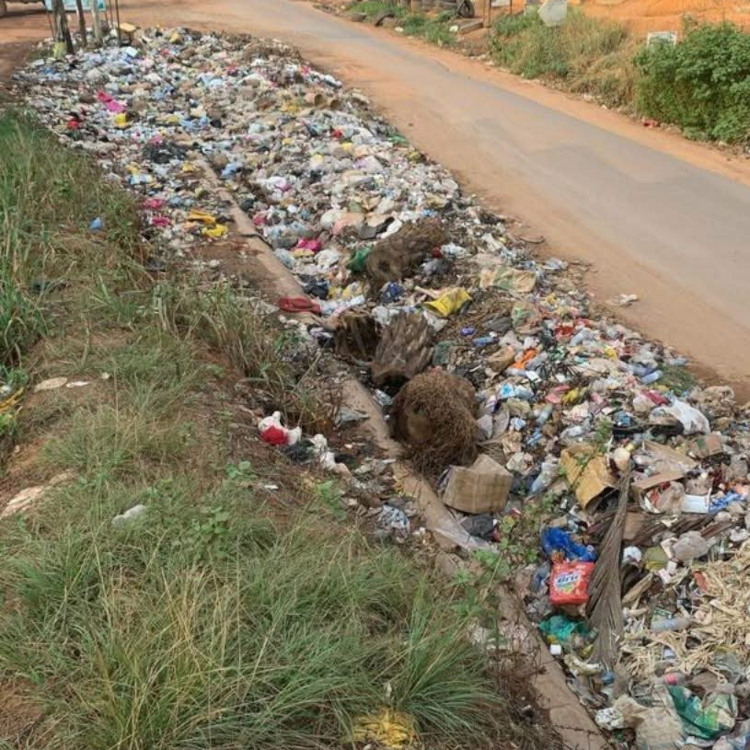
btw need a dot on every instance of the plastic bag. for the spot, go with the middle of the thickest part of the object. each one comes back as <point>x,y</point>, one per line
<point>450,302</point>
<point>562,630</point>
<point>559,546</point>
<point>273,432</point>
<point>707,720</point>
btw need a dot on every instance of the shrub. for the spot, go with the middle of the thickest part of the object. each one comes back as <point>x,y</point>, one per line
<point>702,84</point>
<point>373,8</point>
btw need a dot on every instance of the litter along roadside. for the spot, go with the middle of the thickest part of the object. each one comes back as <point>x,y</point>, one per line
<point>483,356</point>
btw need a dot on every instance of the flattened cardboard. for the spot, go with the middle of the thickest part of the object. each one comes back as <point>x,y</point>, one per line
<point>482,488</point>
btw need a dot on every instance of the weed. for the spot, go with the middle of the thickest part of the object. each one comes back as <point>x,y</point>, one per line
<point>279,647</point>
<point>254,343</point>
<point>434,30</point>
<point>48,196</point>
<point>677,378</point>
<point>328,494</point>
<point>518,546</point>
<point>21,319</point>
<point>602,435</point>
<point>701,84</point>
<point>241,472</point>
<point>586,55</point>
<point>109,441</point>
<point>208,534</point>
<point>373,8</point>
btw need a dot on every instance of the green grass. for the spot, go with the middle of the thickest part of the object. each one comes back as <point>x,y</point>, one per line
<point>373,8</point>
<point>48,197</point>
<point>157,638</point>
<point>217,620</point>
<point>585,55</point>
<point>435,30</point>
<point>274,360</point>
<point>700,84</point>
<point>677,378</point>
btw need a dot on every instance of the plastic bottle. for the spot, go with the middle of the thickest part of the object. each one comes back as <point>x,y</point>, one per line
<point>585,334</point>
<point>652,377</point>
<point>546,476</point>
<point>544,414</point>
<point>524,393</point>
<point>670,623</point>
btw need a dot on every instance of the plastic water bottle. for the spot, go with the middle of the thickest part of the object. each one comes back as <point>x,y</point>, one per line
<point>545,477</point>
<point>652,377</point>
<point>544,414</point>
<point>670,623</point>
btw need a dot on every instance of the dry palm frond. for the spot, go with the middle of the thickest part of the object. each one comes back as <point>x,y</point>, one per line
<point>605,590</point>
<point>404,350</point>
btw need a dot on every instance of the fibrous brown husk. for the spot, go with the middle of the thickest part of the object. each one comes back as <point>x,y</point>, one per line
<point>356,336</point>
<point>404,350</point>
<point>434,416</point>
<point>394,257</point>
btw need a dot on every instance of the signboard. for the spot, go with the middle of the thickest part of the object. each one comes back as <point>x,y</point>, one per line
<point>70,5</point>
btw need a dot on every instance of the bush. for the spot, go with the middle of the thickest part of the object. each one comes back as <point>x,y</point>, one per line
<point>702,84</point>
<point>585,54</point>
<point>434,30</point>
<point>373,8</point>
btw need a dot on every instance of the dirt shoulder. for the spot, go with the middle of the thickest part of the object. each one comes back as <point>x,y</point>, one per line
<point>19,30</point>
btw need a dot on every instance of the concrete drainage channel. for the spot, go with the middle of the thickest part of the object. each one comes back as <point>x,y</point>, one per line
<point>639,470</point>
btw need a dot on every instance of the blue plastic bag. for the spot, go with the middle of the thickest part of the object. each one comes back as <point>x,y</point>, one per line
<point>558,543</point>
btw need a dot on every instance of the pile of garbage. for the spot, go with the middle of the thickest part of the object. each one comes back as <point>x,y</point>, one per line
<point>507,387</point>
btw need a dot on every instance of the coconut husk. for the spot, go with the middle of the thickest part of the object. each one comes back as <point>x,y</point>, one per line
<point>434,415</point>
<point>403,352</point>
<point>393,258</point>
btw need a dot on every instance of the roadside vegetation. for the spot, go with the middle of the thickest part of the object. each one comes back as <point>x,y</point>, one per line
<point>702,84</point>
<point>237,610</point>
<point>432,28</point>
<point>585,55</point>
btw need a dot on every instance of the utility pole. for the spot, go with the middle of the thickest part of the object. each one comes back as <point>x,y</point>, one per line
<point>96,22</point>
<point>81,22</point>
<point>61,26</point>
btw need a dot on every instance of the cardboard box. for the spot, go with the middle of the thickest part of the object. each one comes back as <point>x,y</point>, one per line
<point>482,488</point>
<point>587,474</point>
<point>705,446</point>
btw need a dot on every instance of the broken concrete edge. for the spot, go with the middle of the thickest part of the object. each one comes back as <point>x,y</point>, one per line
<point>569,718</point>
